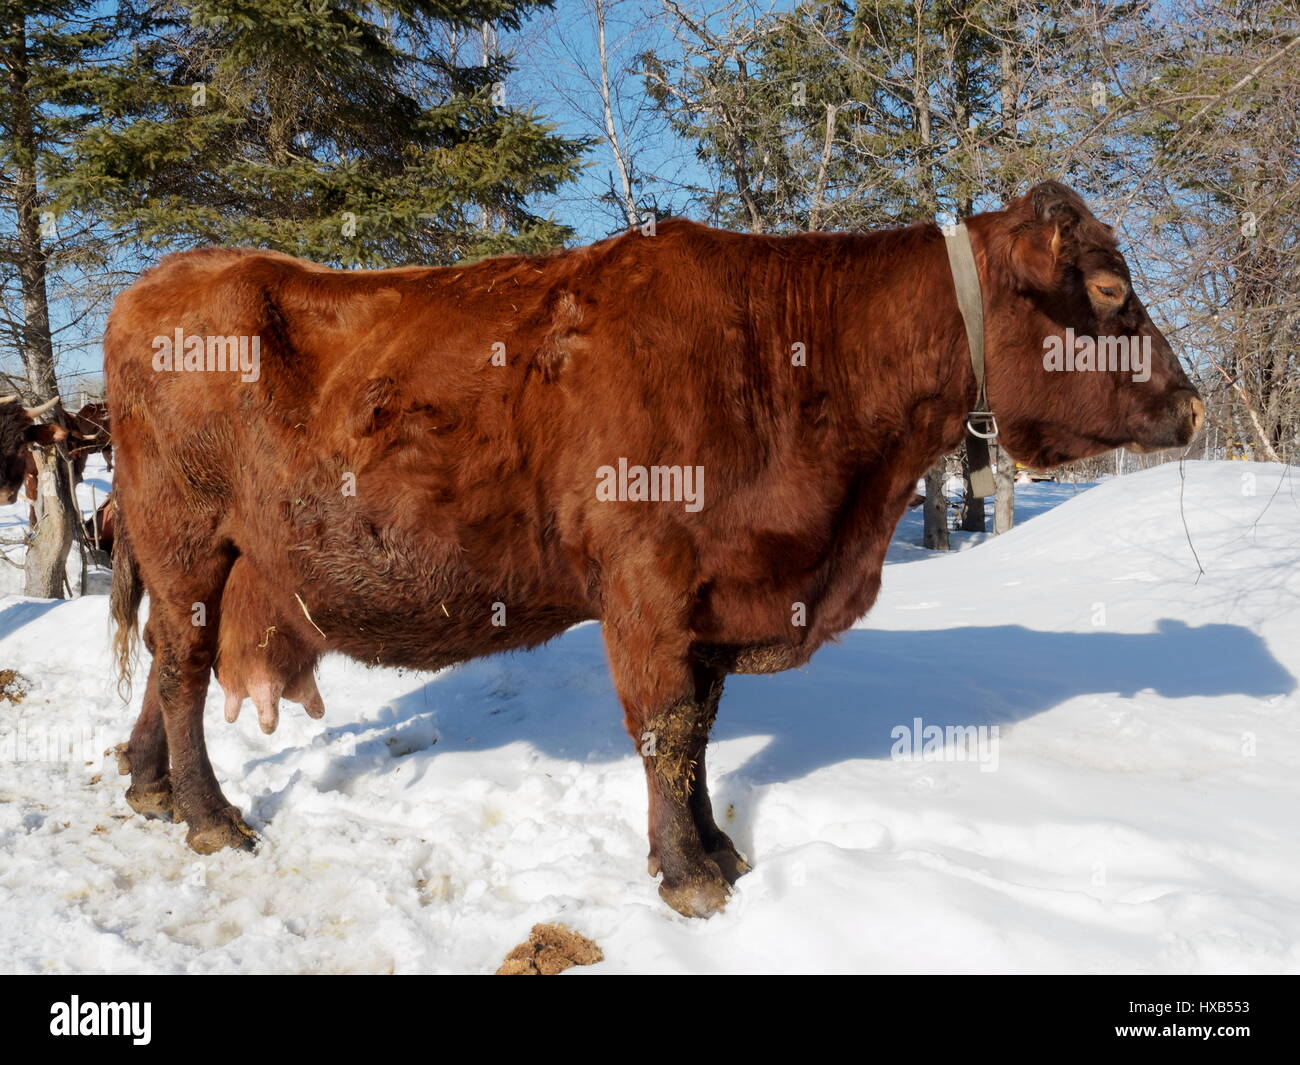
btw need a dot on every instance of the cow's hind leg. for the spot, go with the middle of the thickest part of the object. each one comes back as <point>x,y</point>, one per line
<point>182,662</point>
<point>717,844</point>
<point>144,756</point>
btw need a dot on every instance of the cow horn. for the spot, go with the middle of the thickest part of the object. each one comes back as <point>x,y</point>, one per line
<point>36,412</point>
<point>11,398</point>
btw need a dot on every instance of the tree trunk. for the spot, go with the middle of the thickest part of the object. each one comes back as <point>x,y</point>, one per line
<point>47,553</point>
<point>936,509</point>
<point>1004,481</point>
<point>607,112</point>
<point>36,339</point>
<point>921,103</point>
<point>936,503</point>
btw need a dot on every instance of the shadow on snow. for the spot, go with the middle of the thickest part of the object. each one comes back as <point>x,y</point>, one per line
<point>841,706</point>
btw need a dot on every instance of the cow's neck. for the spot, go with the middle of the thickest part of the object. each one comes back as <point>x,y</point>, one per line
<point>904,340</point>
<point>904,345</point>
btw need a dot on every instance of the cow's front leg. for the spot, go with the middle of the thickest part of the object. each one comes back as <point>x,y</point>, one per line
<point>669,723</point>
<point>671,740</point>
<point>717,844</point>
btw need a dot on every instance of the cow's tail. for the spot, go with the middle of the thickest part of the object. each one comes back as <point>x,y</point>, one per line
<point>124,603</point>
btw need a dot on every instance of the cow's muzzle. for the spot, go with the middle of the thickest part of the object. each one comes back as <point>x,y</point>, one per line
<point>1182,420</point>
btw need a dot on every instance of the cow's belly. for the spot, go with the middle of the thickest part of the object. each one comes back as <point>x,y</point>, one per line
<point>416,634</point>
<point>430,622</point>
<point>416,602</point>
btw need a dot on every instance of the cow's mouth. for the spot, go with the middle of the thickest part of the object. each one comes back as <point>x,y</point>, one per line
<point>1178,428</point>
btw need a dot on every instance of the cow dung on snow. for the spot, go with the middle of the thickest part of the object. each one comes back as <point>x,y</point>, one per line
<point>13,686</point>
<point>550,949</point>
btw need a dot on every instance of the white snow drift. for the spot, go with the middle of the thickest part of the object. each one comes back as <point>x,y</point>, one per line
<point>1142,815</point>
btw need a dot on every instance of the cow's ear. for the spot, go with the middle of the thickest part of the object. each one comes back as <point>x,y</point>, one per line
<point>45,435</point>
<point>1044,243</point>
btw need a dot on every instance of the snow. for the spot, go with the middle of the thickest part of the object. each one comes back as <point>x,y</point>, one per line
<point>1139,815</point>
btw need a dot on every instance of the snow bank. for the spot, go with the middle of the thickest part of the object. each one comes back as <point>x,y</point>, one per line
<point>1134,811</point>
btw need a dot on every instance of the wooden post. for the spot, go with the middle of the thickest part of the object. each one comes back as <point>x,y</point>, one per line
<point>1004,479</point>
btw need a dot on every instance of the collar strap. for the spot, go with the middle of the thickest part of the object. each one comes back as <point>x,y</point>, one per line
<point>981,425</point>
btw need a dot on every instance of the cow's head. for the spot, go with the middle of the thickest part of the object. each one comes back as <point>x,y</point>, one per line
<point>90,425</point>
<point>18,429</point>
<point>1060,288</point>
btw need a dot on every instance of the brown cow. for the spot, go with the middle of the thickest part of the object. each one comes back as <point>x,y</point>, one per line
<point>18,430</point>
<point>100,526</point>
<point>92,434</point>
<point>87,434</point>
<point>432,464</point>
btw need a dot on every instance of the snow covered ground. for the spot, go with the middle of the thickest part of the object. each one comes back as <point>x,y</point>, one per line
<point>1136,810</point>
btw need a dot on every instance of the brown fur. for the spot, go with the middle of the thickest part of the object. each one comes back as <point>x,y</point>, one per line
<point>91,430</point>
<point>475,482</point>
<point>15,429</point>
<point>101,526</point>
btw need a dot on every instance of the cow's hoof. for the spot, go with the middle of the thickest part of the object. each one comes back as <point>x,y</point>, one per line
<point>701,896</point>
<point>226,830</point>
<point>731,863</point>
<point>722,853</point>
<point>152,802</point>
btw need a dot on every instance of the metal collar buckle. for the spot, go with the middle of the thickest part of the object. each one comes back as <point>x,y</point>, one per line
<point>984,418</point>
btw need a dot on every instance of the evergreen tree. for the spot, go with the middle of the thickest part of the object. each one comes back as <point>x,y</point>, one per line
<point>345,131</point>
